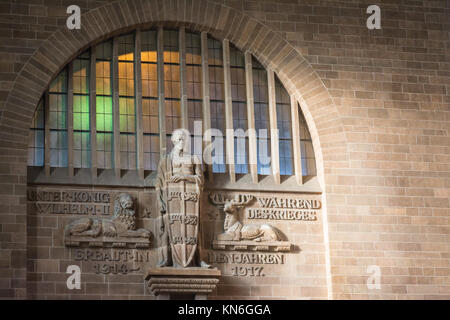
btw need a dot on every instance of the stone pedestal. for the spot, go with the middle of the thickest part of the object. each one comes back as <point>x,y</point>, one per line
<point>182,283</point>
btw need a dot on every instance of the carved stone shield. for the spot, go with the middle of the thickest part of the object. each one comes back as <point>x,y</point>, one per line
<point>183,216</point>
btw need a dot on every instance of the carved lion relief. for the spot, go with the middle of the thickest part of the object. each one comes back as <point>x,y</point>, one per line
<point>118,231</point>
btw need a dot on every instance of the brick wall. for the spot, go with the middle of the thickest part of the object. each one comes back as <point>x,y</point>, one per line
<point>376,101</point>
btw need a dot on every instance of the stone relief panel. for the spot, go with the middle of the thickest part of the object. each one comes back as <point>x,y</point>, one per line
<point>249,224</point>
<point>262,238</point>
<point>104,232</point>
<point>118,231</point>
<point>239,236</point>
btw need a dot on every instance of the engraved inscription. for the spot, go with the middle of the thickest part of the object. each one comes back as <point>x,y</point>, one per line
<point>274,208</point>
<point>246,258</point>
<point>70,202</point>
<point>252,271</point>
<point>114,268</point>
<point>290,203</point>
<point>112,262</point>
<point>280,214</point>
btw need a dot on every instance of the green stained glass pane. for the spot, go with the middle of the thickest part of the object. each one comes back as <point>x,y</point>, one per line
<point>76,104</point>
<point>77,121</point>
<point>131,124</point>
<point>108,104</point>
<point>123,123</point>
<point>100,105</point>
<point>101,122</point>
<point>108,122</point>
<point>85,104</point>
<point>130,106</point>
<point>85,121</point>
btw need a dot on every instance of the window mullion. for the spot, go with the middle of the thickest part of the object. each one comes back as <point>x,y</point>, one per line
<point>47,132</point>
<point>138,102</point>
<point>275,154</point>
<point>253,162</point>
<point>228,111</point>
<point>296,141</point>
<point>161,94</point>
<point>70,120</point>
<point>206,101</point>
<point>183,81</point>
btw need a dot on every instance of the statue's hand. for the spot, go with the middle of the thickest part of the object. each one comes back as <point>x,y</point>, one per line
<point>176,178</point>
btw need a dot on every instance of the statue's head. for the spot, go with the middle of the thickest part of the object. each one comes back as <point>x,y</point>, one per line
<point>179,139</point>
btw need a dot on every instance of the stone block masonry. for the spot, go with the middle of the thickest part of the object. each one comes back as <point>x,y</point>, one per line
<point>377,103</point>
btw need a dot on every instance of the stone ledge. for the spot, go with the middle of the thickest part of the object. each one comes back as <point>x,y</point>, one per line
<point>275,246</point>
<point>130,178</point>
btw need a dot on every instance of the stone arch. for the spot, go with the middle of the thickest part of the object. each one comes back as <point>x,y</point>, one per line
<point>247,33</point>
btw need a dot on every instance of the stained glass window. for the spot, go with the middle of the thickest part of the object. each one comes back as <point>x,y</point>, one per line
<point>284,125</point>
<point>51,115</point>
<point>150,113</point>
<point>104,106</point>
<point>217,103</point>
<point>172,84</point>
<point>308,159</point>
<point>127,106</point>
<point>194,91</point>
<point>58,120</point>
<point>240,120</point>
<point>81,112</point>
<point>262,126</point>
<point>36,146</point>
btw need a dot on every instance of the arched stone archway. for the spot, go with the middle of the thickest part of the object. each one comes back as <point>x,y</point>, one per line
<point>220,21</point>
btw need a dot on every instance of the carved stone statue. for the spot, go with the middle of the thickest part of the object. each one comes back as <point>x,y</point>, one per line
<point>234,229</point>
<point>121,227</point>
<point>179,185</point>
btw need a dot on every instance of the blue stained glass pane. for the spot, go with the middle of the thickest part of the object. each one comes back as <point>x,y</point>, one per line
<point>39,157</point>
<point>39,138</point>
<point>304,167</point>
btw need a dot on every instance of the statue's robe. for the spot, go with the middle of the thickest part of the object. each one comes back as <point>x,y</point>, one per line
<point>173,252</point>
